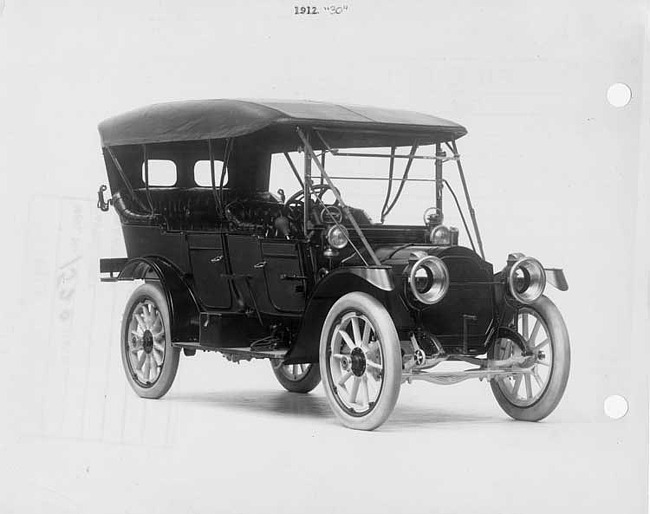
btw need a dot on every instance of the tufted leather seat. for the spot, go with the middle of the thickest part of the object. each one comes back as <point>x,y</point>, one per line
<point>185,208</point>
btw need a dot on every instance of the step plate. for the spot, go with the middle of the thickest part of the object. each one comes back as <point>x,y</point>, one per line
<point>255,354</point>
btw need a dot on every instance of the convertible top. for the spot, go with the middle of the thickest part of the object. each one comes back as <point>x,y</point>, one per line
<point>348,125</point>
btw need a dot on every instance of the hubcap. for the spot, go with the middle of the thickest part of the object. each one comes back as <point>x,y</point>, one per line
<point>146,343</point>
<point>355,364</point>
<point>358,362</point>
<point>524,389</point>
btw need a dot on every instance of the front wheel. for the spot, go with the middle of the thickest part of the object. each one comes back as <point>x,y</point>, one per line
<point>360,361</point>
<point>296,378</point>
<point>533,395</point>
<point>150,361</point>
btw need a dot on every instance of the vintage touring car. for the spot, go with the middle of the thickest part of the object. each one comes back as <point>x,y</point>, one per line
<point>309,281</point>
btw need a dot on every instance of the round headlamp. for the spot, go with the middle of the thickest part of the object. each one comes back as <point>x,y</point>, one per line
<point>337,237</point>
<point>527,280</point>
<point>440,236</point>
<point>429,280</point>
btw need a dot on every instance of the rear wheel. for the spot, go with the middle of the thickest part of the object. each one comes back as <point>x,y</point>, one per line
<point>149,360</point>
<point>534,395</point>
<point>296,378</point>
<point>360,361</point>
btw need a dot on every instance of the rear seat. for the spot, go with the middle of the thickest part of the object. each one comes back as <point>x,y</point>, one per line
<point>183,209</point>
<point>186,209</point>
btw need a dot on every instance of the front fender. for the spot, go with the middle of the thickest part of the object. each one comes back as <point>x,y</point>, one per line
<point>183,307</point>
<point>376,281</point>
<point>555,277</point>
<point>379,277</point>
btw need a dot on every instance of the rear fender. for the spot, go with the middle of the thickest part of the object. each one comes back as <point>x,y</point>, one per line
<point>376,281</point>
<point>183,307</point>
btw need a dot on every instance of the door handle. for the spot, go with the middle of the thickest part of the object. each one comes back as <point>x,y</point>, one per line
<point>216,259</point>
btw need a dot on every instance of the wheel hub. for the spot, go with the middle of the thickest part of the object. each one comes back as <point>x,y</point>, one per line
<point>147,341</point>
<point>358,362</point>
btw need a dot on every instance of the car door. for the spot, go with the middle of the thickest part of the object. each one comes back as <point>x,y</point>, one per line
<point>285,276</point>
<point>268,274</point>
<point>209,270</point>
<point>247,266</point>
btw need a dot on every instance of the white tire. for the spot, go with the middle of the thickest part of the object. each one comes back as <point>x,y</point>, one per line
<point>296,378</point>
<point>150,361</point>
<point>533,396</point>
<point>360,361</point>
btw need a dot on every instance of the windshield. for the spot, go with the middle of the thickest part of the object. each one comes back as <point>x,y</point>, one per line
<point>364,183</point>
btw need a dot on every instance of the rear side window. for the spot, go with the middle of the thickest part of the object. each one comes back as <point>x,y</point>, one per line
<point>161,173</point>
<point>202,174</point>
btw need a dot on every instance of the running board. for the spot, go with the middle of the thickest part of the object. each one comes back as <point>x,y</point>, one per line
<point>245,353</point>
<point>453,377</point>
<point>249,353</point>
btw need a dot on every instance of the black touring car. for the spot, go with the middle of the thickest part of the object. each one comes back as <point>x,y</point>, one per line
<point>306,280</point>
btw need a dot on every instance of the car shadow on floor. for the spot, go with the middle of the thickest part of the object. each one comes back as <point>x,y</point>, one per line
<point>316,406</point>
<point>274,402</point>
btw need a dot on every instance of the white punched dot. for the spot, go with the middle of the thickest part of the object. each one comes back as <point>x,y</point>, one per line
<point>615,406</point>
<point>619,94</point>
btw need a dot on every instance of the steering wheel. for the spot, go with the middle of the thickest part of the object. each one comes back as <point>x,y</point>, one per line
<point>296,200</point>
<point>297,197</point>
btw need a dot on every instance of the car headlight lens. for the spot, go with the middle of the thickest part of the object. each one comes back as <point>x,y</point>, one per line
<point>337,237</point>
<point>440,236</point>
<point>429,280</point>
<point>527,280</point>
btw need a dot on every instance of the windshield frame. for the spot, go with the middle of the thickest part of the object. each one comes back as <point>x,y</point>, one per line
<point>440,158</point>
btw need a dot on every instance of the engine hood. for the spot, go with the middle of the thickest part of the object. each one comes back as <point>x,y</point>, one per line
<point>396,255</point>
<point>471,293</point>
